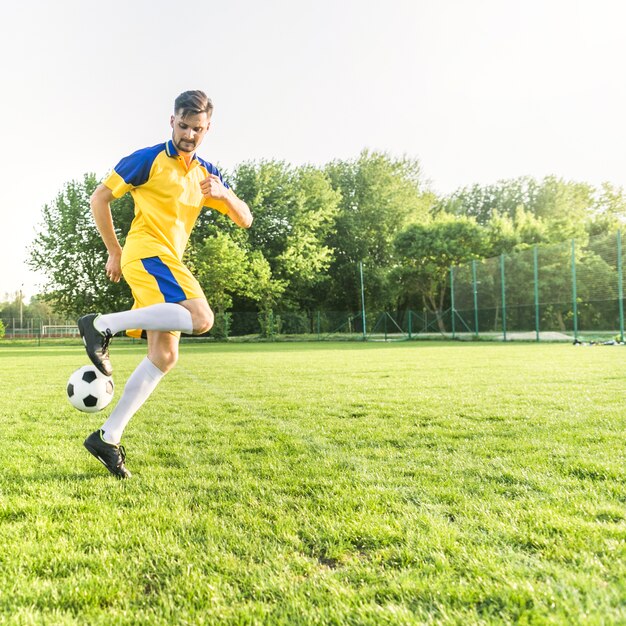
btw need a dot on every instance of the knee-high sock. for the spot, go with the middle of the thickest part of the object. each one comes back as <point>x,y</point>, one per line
<point>164,316</point>
<point>139,386</point>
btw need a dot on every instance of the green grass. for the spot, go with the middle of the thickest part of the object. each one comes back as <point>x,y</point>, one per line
<point>321,484</point>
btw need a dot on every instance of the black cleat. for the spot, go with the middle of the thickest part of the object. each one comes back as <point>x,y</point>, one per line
<point>96,343</point>
<point>110,455</point>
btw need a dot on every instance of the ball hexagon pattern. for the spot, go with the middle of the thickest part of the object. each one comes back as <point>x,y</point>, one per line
<point>89,390</point>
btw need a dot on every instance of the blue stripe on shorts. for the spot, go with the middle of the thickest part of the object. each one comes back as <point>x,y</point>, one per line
<point>168,285</point>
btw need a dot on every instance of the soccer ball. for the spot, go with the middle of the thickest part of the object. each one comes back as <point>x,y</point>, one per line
<point>89,390</point>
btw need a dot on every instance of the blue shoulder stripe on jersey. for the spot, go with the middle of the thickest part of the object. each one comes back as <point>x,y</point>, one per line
<point>213,170</point>
<point>135,168</point>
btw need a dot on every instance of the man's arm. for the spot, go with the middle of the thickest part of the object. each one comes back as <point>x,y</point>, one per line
<point>238,211</point>
<point>101,210</point>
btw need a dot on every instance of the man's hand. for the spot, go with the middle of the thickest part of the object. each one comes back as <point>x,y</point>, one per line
<point>213,188</point>
<point>113,268</point>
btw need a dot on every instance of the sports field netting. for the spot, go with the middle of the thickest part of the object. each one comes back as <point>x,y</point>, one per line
<point>560,292</point>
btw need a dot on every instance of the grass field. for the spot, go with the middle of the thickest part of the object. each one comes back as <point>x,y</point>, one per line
<point>407,483</point>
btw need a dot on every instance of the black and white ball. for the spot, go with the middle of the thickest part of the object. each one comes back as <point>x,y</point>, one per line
<point>89,390</point>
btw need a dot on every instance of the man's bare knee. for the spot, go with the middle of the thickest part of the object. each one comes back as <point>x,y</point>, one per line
<point>203,322</point>
<point>163,349</point>
<point>164,359</point>
<point>201,315</point>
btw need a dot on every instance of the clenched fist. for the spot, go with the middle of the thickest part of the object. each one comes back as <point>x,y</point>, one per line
<point>213,187</point>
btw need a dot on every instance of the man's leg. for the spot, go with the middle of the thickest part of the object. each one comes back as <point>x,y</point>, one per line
<point>104,443</point>
<point>163,316</point>
<point>97,330</point>
<point>167,298</point>
<point>189,316</point>
<point>162,356</point>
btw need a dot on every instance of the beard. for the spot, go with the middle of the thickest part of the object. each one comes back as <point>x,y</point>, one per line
<point>183,145</point>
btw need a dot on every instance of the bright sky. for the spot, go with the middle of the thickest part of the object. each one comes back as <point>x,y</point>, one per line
<point>477,91</point>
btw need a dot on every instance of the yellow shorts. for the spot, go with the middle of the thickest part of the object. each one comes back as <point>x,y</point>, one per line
<point>159,279</point>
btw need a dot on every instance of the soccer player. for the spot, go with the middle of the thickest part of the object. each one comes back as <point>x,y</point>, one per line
<point>170,185</point>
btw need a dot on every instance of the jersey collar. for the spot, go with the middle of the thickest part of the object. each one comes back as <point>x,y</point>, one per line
<point>170,150</point>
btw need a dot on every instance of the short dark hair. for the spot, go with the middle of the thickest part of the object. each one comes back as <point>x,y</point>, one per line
<point>193,103</point>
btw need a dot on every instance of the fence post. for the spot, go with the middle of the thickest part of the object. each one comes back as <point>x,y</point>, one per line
<point>475,284</point>
<point>319,334</point>
<point>503,297</point>
<point>620,285</point>
<point>574,295</point>
<point>452,309</point>
<point>410,314</point>
<point>536,277</point>
<point>363,301</point>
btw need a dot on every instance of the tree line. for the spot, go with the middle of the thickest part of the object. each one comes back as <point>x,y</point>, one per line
<point>313,225</point>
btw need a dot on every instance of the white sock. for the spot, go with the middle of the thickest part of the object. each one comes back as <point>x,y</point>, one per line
<point>164,316</point>
<point>139,386</point>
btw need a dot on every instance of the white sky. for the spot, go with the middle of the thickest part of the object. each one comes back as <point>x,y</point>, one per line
<point>477,90</point>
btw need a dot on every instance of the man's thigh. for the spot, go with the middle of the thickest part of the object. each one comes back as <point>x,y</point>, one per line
<point>196,306</point>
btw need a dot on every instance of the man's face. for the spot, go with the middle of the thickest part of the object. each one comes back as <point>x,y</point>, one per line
<point>189,131</point>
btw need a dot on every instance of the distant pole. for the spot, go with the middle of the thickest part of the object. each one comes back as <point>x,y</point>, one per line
<point>363,301</point>
<point>21,301</point>
<point>620,285</point>
<point>536,276</point>
<point>574,294</point>
<point>475,297</point>
<point>503,297</point>
<point>452,301</point>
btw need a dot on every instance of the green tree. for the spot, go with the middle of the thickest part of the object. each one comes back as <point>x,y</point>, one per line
<point>265,291</point>
<point>68,250</point>
<point>608,212</point>
<point>14,307</point>
<point>220,266</point>
<point>37,312</point>
<point>561,209</point>
<point>596,283</point>
<point>39,308</point>
<point>425,253</point>
<point>564,207</point>
<point>379,197</point>
<point>483,203</point>
<point>226,270</point>
<point>509,232</point>
<point>597,289</point>
<point>303,264</point>
<point>294,209</point>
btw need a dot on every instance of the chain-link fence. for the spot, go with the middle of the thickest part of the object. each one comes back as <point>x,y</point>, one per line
<point>561,291</point>
<point>567,291</point>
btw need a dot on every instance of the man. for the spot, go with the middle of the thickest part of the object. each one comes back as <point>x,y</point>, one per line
<point>170,185</point>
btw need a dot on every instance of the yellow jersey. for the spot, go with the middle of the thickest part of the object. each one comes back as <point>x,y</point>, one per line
<point>167,197</point>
